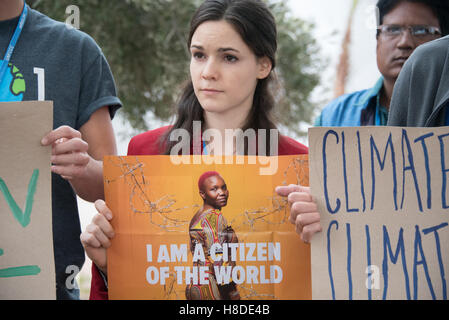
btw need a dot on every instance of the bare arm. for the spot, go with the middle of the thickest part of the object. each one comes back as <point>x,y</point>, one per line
<point>78,155</point>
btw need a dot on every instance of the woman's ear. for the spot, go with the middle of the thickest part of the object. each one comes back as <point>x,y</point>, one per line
<point>265,67</point>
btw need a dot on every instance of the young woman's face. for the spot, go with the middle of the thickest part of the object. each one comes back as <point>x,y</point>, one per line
<point>224,70</point>
<point>214,192</point>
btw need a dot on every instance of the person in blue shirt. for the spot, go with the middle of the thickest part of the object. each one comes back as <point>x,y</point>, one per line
<point>403,26</point>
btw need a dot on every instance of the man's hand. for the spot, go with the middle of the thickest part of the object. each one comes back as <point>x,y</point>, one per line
<point>69,152</point>
<point>78,155</point>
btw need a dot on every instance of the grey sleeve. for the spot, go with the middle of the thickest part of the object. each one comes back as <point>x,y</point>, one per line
<point>417,88</point>
<point>97,90</point>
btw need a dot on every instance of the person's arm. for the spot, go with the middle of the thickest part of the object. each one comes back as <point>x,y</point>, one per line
<point>303,210</point>
<point>78,155</point>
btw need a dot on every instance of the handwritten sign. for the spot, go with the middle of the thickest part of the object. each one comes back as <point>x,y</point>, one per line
<point>26,242</point>
<point>384,198</point>
<point>168,246</point>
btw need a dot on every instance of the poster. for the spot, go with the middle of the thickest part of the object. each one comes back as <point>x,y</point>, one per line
<point>26,240</point>
<point>162,251</point>
<point>384,202</point>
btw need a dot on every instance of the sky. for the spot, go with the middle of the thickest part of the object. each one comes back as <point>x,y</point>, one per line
<point>330,19</point>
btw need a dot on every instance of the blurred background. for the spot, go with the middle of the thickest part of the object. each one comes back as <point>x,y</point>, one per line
<point>326,48</point>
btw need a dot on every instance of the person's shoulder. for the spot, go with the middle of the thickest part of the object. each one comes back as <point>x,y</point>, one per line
<point>348,100</point>
<point>346,109</point>
<point>147,143</point>
<point>289,146</point>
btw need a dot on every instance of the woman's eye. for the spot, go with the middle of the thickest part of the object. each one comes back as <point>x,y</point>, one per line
<point>231,58</point>
<point>198,55</point>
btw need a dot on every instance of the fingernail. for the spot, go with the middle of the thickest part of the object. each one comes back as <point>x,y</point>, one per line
<point>44,141</point>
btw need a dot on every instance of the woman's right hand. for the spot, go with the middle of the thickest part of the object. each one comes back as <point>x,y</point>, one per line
<point>97,236</point>
<point>303,210</point>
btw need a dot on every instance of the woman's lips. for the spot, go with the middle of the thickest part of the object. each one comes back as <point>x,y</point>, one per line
<point>211,91</point>
<point>222,200</point>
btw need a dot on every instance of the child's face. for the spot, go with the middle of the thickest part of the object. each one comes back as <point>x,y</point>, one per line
<point>224,70</point>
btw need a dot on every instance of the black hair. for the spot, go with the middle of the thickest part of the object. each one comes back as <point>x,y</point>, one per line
<point>257,27</point>
<point>439,7</point>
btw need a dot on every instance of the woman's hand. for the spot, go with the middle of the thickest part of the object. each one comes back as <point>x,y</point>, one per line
<point>97,236</point>
<point>303,210</point>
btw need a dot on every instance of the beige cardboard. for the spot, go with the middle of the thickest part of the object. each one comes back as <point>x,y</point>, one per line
<point>22,126</point>
<point>396,212</point>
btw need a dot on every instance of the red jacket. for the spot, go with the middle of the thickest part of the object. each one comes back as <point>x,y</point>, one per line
<point>148,143</point>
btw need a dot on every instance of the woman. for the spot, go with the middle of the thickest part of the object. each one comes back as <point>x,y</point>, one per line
<point>233,46</point>
<point>207,228</point>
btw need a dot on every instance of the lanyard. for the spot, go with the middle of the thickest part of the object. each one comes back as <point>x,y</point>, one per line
<point>13,42</point>
<point>204,148</point>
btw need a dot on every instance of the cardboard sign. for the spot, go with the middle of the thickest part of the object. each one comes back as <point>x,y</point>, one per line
<point>167,247</point>
<point>384,202</point>
<point>26,241</point>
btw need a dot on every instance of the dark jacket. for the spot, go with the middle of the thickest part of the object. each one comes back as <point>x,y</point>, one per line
<point>421,93</point>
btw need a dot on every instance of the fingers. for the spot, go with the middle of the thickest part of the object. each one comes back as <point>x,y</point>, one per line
<point>60,133</point>
<point>69,152</point>
<point>284,191</point>
<point>303,210</point>
<point>304,196</point>
<point>304,220</point>
<point>103,209</point>
<point>304,215</point>
<point>308,231</point>
<point>99,233</point>
<point>64,145</point>
<point>76,159</point>
<point>301,207</point>
<point>70,165</point>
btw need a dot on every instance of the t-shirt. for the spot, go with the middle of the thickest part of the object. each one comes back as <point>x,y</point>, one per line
<point>149,143</point>
<point>55,63</point>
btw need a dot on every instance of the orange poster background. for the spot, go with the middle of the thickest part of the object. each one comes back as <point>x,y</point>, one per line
<point>153,201</point>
